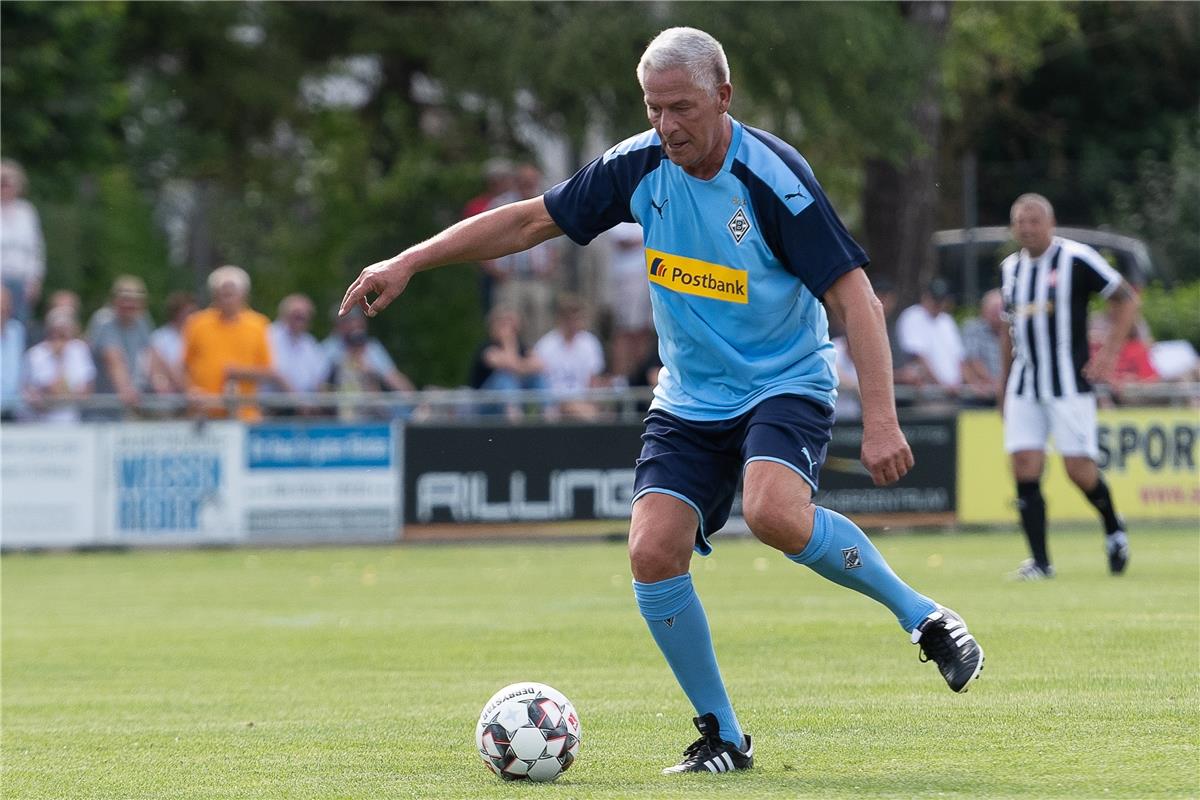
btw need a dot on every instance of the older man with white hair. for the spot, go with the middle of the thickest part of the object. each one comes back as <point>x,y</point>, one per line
<point>225,346</point>
<point>744,252</point>
<point>299,359</point>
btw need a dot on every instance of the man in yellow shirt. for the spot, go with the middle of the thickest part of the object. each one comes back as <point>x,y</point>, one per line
<point>225,346</point>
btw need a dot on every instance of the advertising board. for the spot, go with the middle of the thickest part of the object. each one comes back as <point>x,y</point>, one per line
<point>48,494</point>
<point>470,474</point>
<point>526,473</point>
<point>1149,458</point>
<point>171,482</point>
<point>321,481</point>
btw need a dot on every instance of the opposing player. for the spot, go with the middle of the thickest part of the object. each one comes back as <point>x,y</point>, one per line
<point>1046,378</point>
<point>742,248</point>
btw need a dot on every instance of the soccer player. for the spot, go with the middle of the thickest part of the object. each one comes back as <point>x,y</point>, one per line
<point>743,253</point>
<point>1046,380</point>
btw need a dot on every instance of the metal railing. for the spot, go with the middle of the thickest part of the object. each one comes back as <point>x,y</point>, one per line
<point>611,404</point>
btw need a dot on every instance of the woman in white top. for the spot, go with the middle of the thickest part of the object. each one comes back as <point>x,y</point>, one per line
<point>58,370</point>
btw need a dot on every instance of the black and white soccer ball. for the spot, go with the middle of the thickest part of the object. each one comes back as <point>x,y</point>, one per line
<point>528,731</point>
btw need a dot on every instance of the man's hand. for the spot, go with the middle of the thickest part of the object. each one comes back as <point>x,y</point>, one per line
<point>386,280</point>
<point>885,453</point>
<point>129,396</point>
<point>1099,368</point>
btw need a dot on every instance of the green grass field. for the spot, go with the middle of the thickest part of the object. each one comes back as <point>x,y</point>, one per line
<point>359,673</point>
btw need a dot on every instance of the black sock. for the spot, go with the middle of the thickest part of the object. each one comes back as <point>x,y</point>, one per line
<point>1102,500</point>
<point>1033,519</point>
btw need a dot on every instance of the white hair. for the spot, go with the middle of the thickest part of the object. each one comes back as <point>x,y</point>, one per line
<point>1031,199</point>
<point>229,274</point>
<point>690,49</point>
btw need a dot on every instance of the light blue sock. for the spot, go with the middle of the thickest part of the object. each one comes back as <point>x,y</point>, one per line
<point>680,627</point>
<point>841,552</point>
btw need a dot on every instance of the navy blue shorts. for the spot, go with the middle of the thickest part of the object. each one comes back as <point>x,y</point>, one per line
<point>701,462</point>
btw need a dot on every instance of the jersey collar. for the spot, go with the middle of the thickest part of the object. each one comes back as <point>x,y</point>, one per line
<point>735,141</point>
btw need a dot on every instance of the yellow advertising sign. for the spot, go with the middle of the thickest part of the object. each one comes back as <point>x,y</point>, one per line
<point>1149,458</point>
<point>693,276</point>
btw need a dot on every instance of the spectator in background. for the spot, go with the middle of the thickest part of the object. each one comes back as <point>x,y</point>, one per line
<point>12,357</point>
<point>523,281</point>
<point>1133,364</point>
<point>358,364</point>
<point>167,344</point>
<point>981,351</point>
<point>59,298</point>
<point>58,370</point>
<point>502,362</point>
<point>928,332</point>
<point>848,404</point>
<point>572,358</point>
<point>65,298</point>
<point>298,357</point>
<point>627,295</point>
<point>904,368</point>
<point>498,174</point>
<point>121,346</point>
<point>225,346</point>
<point>646,373</point>
<point>22,247</point>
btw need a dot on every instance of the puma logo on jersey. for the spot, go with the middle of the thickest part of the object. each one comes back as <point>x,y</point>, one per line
<point>659,208</point>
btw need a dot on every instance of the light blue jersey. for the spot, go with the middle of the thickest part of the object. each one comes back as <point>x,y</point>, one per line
<point>737,265</point>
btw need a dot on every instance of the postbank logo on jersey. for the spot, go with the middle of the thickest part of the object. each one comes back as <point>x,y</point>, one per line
<point>693,276</point>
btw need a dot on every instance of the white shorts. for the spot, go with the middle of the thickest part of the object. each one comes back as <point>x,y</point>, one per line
<point>1070,420</point>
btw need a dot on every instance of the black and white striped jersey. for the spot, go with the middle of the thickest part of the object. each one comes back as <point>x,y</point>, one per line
<point>1046,300</point>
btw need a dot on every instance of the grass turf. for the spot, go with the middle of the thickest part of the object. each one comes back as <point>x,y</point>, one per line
<point>358,673</point>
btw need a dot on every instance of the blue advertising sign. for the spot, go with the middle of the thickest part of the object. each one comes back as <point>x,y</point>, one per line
<point>319,447</point>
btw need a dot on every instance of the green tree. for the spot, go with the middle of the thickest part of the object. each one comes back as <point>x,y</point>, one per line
<point>1111,104</point>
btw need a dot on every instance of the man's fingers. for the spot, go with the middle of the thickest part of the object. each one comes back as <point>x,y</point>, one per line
<point>381,302</point>
<point>884,475</point>
<point>893,468</point>
<point>352,297</point>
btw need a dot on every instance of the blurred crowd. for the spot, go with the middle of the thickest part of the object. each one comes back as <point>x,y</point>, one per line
<point>222,358</point>
<point>938,360</point>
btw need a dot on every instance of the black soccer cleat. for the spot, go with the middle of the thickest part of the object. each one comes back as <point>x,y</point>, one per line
<point>1117,546</point>
<point>711,753</point>
<point>945,640</point>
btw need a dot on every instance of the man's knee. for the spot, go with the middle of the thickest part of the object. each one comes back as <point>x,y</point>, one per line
<point>777,506</point>
<point>1027,465</point>
<point>1082,471</point>
<point>661,536</point>
<point>769,520</point>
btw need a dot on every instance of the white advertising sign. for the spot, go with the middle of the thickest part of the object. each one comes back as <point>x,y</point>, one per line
<point>48,492</point>
<point>173,483</point>
<point>327,482</point>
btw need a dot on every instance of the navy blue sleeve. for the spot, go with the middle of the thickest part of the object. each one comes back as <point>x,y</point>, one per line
<point>597,197</point>
<point>811,243</point>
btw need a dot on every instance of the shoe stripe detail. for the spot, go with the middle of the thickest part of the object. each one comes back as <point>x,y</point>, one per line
<point>711,766</point>
<point>728,760</point>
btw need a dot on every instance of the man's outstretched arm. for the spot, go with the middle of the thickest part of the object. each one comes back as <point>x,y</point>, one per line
<point>500,232</point>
